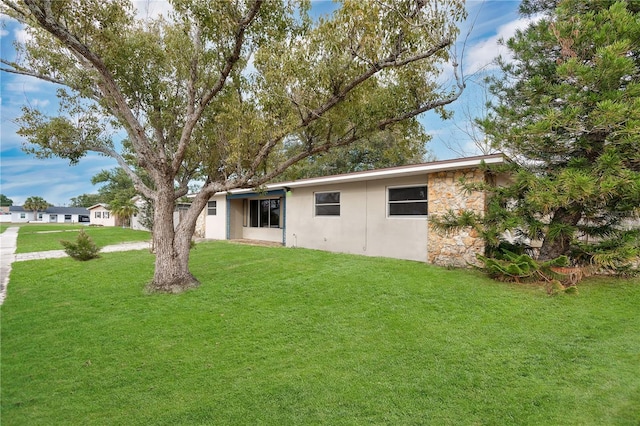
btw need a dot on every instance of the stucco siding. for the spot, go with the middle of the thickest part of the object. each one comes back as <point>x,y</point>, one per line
<point>363,226</point>
<point>216,225</point>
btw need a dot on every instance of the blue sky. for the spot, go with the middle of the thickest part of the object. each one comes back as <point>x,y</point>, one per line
<point>22,175</point>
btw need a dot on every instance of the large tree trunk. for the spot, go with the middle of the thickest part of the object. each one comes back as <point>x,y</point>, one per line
<point>554,247</point>
<point>172,248</point>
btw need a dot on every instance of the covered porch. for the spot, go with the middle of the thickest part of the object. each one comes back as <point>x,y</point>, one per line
<point>258,217</point>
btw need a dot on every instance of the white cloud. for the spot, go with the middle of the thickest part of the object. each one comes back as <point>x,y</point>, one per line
<point>52,179</point>
<point>150,9</point>
<point>480,56</point>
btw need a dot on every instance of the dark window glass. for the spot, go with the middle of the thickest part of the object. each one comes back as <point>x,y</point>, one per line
<point>408,209</point>
<point>327,198</point>
<point>212,207</point>
<point>253,213</point>
<point>274,214</point>
<point>328,210</point>
<point>327,204</point>
<point>264,213</point>
<point>405,194</point>
<point>409,201</point>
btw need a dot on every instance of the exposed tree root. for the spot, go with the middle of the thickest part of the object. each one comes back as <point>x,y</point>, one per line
<point>178,285</point>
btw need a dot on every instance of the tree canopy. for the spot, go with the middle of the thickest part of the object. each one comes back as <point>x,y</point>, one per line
<point>567,111</point>
<point>231,93</point>
<point>35,204</point>
<point>5,201</point>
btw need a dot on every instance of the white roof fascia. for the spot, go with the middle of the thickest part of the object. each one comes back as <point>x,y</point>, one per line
<point>394,172</point>
<point>411,170</point>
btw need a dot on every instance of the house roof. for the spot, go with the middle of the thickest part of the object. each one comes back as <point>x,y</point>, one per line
<point>95,206</point>
<point>52,210</point>
<point>391,172</point>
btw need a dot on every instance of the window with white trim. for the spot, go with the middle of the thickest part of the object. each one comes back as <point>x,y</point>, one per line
<point>264,213</point>
<point>97,215</point>
<point>327,203</point>
<point>408,201</point>
<point>212,208</point>
<point>105,215</point>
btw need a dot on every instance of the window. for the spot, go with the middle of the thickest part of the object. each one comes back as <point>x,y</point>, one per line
<point>39,216</point>
<point>23,215</point>
<point>98,215</point>
<point>67,217</point>
<point>212,207</point>
<point>408,201</point>
<point>327,203</point>
<point>105,215</point>
<point>264,213</point>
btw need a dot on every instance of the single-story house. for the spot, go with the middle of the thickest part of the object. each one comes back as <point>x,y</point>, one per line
<point>101,215</point>
<point>5,214</point>
<point>50,215</point>
<point>382,212</point>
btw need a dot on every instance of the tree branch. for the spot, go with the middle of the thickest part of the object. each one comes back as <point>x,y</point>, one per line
<point>137,181</point>
<point>118,104</point>
<point>22,71</point>
<point>390,62</point>
<point>192,119</point>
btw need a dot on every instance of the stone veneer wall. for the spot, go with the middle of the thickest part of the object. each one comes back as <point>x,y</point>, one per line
<point>199,232</point>
<point>445,193</point>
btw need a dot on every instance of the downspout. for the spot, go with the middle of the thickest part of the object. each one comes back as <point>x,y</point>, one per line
<point>228,219</point>
<point>284,219</point>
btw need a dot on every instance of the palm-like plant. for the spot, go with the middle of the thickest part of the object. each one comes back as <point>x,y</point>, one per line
<point>35,204</point>
<point>123,210</point>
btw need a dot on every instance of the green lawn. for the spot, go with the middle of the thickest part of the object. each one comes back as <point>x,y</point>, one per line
<point>281,336</point>
<point>43,237</point>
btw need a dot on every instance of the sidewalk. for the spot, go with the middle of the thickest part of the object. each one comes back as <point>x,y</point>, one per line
<point>8,242</point>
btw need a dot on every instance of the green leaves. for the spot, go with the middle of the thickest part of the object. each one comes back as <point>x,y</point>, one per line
<point>568,111</point>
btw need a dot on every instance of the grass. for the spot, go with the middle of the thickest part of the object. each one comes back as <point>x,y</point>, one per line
<point>292,336</point>
<point>43,237</point>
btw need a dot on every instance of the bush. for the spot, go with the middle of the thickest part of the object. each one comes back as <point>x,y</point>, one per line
<point>522,268</point>
<point>82,249</point>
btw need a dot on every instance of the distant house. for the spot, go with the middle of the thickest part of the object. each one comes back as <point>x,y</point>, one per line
<point>101,215</point>
<point>50,215</point>
<point>381,212</point>
<point>5,214</point>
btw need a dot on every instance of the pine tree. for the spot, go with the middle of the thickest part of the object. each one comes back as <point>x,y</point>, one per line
<point>567,111</point>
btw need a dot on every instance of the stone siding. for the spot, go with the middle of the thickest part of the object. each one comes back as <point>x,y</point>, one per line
<point>199,232</point>
<point>457,248</point>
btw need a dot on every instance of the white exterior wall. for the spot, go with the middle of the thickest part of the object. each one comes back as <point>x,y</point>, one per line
<point>363,226</point>
<point>110,221</point>
<point>216,225</point>
<point>262,234</point>
<point>15,217</point>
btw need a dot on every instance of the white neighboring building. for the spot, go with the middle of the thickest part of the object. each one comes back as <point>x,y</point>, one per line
<point>101,215</point>
<point>50,215</point>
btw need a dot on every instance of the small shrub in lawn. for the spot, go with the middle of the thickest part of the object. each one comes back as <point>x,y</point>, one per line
<point>82,249</point>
